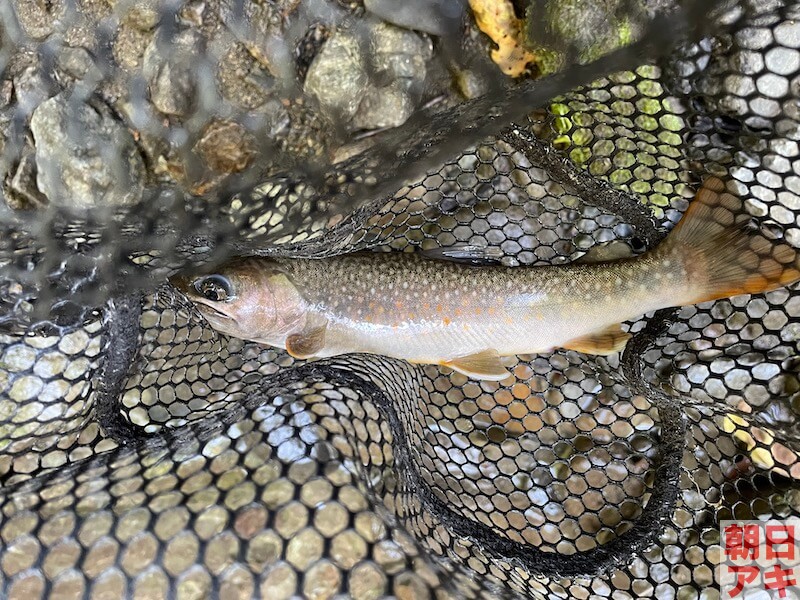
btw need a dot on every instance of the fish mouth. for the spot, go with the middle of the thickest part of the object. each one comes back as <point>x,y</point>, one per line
<point>209,311</point>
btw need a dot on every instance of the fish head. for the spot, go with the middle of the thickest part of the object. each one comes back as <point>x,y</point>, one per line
<point>250,299</point>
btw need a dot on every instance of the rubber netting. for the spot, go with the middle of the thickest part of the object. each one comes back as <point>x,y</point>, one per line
<point>142,454</point>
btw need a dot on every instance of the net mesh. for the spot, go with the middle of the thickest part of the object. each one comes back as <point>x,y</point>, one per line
<point>143,454</point>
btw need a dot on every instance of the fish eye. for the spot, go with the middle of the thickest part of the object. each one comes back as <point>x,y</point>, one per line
<point>215,288</point>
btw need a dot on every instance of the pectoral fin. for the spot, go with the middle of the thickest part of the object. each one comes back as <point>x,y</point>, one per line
<point>307,343</point>
<point>483,365</point>
<point>606,341</point>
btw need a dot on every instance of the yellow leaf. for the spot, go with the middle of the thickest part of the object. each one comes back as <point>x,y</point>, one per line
<point>496,19</point>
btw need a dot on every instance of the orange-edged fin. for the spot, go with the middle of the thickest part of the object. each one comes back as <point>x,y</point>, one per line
<point>604,342</point>
<point>482,365</point>
<point>306,344</point>
<point>722,258</point>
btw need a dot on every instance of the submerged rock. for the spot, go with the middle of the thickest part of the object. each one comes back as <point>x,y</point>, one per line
<point>375,85</point>
<point>39,18</point>
<point>399,53</point>
<point>19,187</point>
<point>226,147</point>
<point>338,77</point>
<point>84,157</point>
<point>383,107</point>
<point>171,77</point>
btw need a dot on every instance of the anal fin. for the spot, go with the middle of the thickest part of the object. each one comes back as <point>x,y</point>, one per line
<point>606,341</point>
<point>481,365</point>
<point>307,343</point>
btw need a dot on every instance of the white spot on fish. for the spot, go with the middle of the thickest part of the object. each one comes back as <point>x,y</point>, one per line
<point>525,299</point>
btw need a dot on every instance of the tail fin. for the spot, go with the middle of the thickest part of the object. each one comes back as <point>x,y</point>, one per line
<point>721,256</point>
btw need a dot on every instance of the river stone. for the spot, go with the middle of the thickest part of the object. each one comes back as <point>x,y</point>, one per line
<point>84,157</point>
<point>437,17</point>
<point>172,76</point>
<point>388,106</point>
<point>337,78</point>
<point>373,85</point>
<point>400,54</point>
<point>399,59</point>
<point>19,187</point>
<point>39,18</point>
<point>31,86</point>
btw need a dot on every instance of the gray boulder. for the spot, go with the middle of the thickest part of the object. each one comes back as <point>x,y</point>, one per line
<point>84,157</point>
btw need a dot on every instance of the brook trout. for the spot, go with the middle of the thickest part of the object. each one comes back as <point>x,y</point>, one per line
<point>466,317</point>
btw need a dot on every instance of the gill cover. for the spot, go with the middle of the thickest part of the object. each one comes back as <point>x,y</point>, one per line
<point>248,298</point>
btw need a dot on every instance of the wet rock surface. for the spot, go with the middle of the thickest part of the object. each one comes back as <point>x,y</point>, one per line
<point>377,88</point>
<point>84,157</point>
<point>337,78</point>
<point>38,18</point>
<point>172,77</point>
<point>226,147</point>
<point>20,188</point>
<point>107,99</point>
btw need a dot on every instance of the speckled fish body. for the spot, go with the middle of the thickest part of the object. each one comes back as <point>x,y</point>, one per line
<point>466,317</point>
<point>405,306</point>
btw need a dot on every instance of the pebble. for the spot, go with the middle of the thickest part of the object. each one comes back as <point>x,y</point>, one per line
<point>399,53</point>
<point>31,87</point>
<point>84,157</point>
<point>339,77</point>
<point>171,77</point>
<point>226,147</point>
<point>39,19</point>
<point>19,190</point>
<point>389,106</point>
